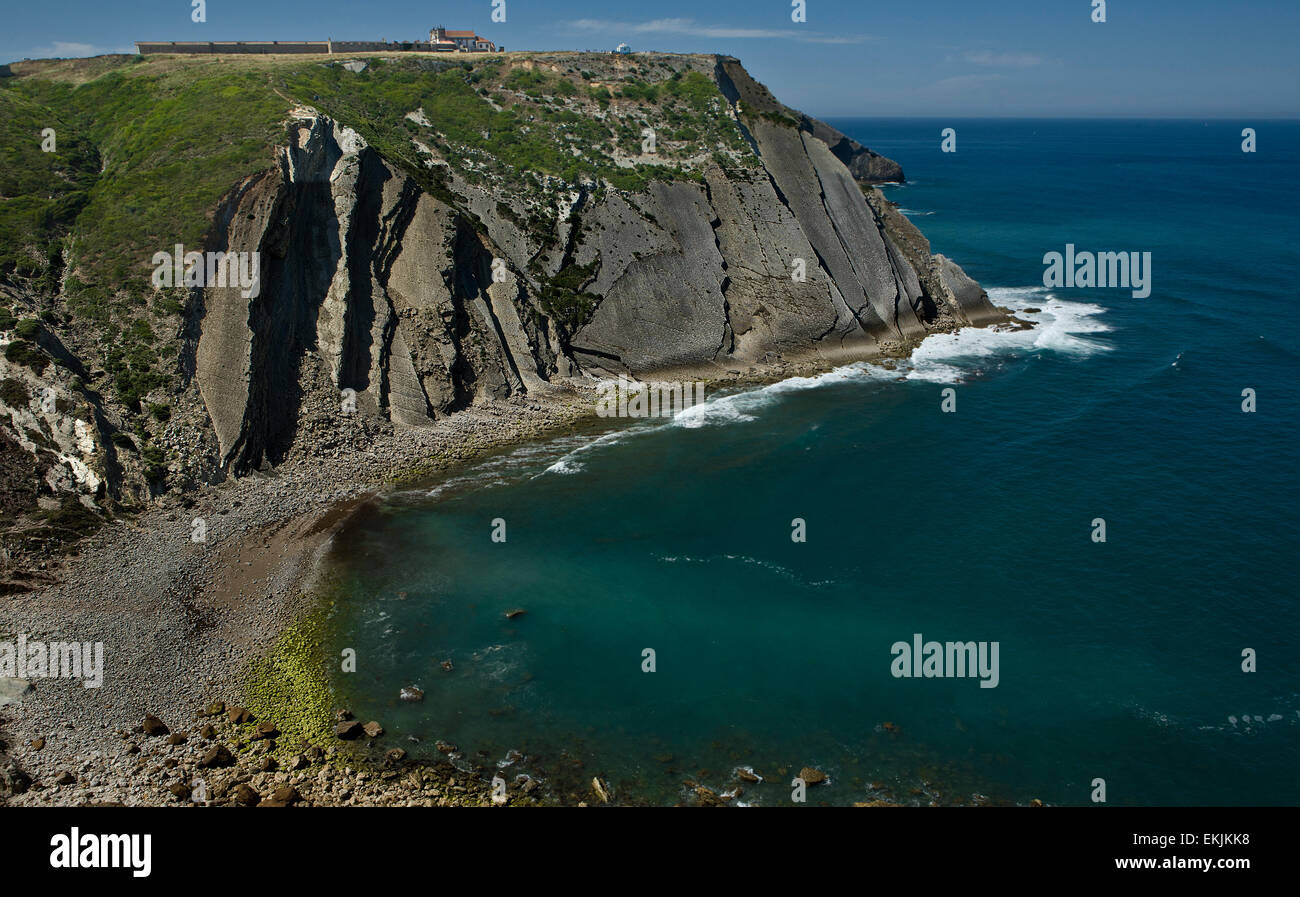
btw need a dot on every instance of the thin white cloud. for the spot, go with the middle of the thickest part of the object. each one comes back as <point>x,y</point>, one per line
<point>692,28</point>
<point>963,82</point>
<point>71,50</point>
<point>1004,60</point>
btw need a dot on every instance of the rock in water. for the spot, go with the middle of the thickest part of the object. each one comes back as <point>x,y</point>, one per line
<point>412,694</point>
<point>812,776</point>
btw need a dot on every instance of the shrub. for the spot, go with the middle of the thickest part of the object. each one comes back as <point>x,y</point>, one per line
<point>24,353</point>
<point>14,392</point>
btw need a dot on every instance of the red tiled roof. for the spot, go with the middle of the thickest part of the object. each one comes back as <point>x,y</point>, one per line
<point>461,34</point>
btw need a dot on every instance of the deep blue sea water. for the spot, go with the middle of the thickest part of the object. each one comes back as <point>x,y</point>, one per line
<point>1119,660</point>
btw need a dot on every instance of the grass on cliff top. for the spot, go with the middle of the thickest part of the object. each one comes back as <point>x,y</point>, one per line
<point>41,193</point>
<point>148,146</point>
<point>172,142</point>
<point>537,121</point>
<point>174,134</point>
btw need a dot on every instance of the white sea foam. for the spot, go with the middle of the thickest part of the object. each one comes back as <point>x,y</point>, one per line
<point>743,406</point>
<point>1059,326</point>
<point>569,463</point>
<point>745,559</point>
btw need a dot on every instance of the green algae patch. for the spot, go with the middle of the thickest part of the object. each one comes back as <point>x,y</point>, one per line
<point>288,684</point>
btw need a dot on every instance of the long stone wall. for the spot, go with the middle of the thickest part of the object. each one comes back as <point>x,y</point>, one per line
<point>145,48</point>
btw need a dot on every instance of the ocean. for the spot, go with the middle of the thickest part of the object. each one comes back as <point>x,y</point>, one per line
<point>1118,661</point>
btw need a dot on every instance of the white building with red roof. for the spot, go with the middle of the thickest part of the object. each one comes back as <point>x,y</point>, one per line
<point>442,39</point>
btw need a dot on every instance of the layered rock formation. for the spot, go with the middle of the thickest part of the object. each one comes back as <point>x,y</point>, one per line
<point>403,284</point>
<point>412,305</point>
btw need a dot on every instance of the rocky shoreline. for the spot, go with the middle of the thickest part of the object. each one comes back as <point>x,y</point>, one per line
<point>182,620</point>
<point>185,625</point>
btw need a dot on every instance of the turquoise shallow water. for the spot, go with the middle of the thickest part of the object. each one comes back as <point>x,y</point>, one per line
<point>1119,660</point>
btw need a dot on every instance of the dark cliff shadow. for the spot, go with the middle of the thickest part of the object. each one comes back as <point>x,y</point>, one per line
<point>363,235</point>
<point>299,258</point>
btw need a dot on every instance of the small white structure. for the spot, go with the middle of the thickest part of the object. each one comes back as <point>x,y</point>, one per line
<point>623,48</point>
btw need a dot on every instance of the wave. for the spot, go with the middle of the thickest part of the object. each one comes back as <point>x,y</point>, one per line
<point>914,212</point>
<point>1060,326</point>
<point>569,463</point>
<point>741,406</point>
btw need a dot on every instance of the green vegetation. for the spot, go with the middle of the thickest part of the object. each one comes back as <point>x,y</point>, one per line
<point>289,685</point>
<point>639,90</point>
<point>24,353</point>
<point>779,118</point>
<point>14,393</point>
<point>66,524</point>
<point>696,90</point>
<point>172,142</point>
<point>563,298</point>
<point>147,147</point>
<point>155,463</point>
<point>41,193</point>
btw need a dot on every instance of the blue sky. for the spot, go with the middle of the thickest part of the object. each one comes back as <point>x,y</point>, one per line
<point>1038,58</point>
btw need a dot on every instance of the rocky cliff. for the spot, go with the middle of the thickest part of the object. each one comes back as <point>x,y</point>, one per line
<point>679,218</point>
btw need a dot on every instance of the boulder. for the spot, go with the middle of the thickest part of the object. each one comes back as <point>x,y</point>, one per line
<point>348,729</point>
<point>245,795</point>
<point>217,756</point>
<point>264,729</point>
<point>812,775</point>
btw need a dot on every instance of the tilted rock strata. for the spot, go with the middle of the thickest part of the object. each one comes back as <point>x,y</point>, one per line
<point>415,306</point>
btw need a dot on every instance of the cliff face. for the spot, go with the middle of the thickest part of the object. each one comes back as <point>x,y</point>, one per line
<point>423,304</point>
<point>443,260</point>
